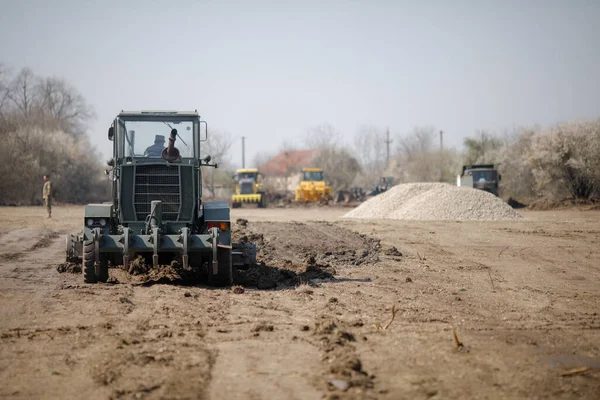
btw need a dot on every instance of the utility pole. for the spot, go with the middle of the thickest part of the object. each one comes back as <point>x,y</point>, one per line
<point>441,156</point>
<point>243,151</point>
<point>387,147</point>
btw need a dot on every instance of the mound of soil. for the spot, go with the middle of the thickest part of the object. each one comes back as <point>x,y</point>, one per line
<point>305,247</point>
<point>292,253</point>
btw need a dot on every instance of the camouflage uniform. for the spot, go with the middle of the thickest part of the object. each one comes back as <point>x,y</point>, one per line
<point>47,196</point>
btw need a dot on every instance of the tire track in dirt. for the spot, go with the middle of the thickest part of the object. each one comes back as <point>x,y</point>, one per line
<point>45,241</point>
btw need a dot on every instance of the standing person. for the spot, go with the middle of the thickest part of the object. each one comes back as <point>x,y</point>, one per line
<point>47,194</point>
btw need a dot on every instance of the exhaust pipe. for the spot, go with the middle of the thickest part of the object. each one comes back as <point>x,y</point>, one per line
<point>171,153</point>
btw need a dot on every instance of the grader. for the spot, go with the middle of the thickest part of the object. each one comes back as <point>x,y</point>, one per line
<point>248,188</point>
<point>157,210</point>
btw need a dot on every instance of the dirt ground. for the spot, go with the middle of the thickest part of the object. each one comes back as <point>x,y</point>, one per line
<point>481,310</point>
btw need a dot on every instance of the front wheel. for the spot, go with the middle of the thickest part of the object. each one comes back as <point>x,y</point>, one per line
<point>93,273</point>
<point>224,275</point>
<point>88,259</point>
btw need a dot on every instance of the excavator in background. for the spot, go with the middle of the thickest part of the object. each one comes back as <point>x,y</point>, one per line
<point>312,187</point>
<point>248,188</point>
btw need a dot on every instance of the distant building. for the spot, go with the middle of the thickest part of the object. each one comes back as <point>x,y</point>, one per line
<point>287,163</point>
<point>282,172</point>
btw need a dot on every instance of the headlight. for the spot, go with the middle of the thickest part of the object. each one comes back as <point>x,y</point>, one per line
<point>90,222</point>
<point>102,222</point>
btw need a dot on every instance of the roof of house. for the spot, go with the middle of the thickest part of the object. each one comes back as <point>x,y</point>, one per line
<point>286,162</point>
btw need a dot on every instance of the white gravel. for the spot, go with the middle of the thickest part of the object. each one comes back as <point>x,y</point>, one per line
<point>434,202</point>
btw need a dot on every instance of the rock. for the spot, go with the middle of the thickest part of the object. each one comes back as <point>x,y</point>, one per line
<point>339,384</point>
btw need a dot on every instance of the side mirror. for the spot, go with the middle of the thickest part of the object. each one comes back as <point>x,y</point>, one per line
<point>111,133</point>
<point>499,177</point>
<point>207,159</point>
<point>203,131</point>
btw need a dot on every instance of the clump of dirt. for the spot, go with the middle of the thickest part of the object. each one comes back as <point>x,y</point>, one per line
<point>237,289</point>
<point>514,203</point>
<point>263,327</point>
<point>241,221</point>
<point>345,369</point>
<point>70,267</point>
<point>140,272</point>
<point>137,266</point>
<point>393,251</point>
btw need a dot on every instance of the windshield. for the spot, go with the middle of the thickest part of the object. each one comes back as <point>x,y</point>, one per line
<point>147,138</point>
<point>313,176</point>
<point>247,175</point>
<point>484,176</point>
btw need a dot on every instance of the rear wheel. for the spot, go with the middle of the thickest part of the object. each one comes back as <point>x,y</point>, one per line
<point>224,275</point>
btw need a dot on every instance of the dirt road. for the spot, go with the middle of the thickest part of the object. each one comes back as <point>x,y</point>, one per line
<point>522,297</point>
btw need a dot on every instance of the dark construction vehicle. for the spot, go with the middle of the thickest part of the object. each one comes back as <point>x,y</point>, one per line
<point>480,176</point>
<point>157,210</point>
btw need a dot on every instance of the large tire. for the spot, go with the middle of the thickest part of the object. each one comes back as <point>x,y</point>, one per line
<point>91,274</point>
<point>89,269</point>
<point>224,276</point>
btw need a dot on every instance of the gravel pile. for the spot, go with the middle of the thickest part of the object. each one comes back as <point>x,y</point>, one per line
<point>435,202</point>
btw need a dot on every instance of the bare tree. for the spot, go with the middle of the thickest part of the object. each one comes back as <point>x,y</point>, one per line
<point>61,103</point>
<point>36,141</point>
<point>322,136</point>
<point>4,91</point>
<point>481,146</point>
<point>370,147</point>
<point>217,146</point>
<point>419,141</point>
<point>22,92</point>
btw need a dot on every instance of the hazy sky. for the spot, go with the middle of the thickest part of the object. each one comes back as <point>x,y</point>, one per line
<point>269,70</point>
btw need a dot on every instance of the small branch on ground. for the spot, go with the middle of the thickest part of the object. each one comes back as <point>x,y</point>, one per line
<point>383,328</point>
<point>502,251</point>
<point>575,371</point>
<point>458,343</point>
<point>491,280</point>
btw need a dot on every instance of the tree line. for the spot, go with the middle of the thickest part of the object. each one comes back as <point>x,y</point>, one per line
<point>558,162</point>
<point>43,131</point>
